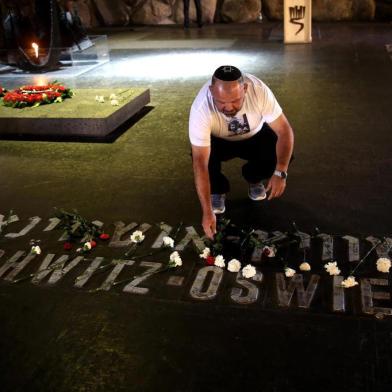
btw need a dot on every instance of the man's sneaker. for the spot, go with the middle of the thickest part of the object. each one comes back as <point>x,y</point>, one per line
<point>218,203</point>
<point>257,191</point>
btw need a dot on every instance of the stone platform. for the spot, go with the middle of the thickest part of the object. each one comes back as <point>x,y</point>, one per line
<point>80,116</point>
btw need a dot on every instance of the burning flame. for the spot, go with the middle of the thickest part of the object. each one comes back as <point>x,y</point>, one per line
<point>35,47</point>
<point>40,81</point>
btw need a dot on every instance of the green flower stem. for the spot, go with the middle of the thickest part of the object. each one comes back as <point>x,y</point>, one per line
<point>99,270</point>
<point>153,253</point>
<point>273,240</point>
<point>178,230</point>
<point>123,92</point>
<point>145,255</point>
<point>84,228</point>
<point>166,268</point>
<point>26,277</point>
<point>284,262</point>
<point>131,250</point>
<point>246,238</point>
<point>296,230</point>
<point>298,234</point>
<point>267,243</point>
<point>365,257</point>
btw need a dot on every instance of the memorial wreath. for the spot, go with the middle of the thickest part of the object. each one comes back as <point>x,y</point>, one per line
<point>36,95</point>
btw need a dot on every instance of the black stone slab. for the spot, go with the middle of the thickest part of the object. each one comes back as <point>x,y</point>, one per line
<point>80,116</point>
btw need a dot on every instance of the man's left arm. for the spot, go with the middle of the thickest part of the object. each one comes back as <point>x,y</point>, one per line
<point>284,151</point>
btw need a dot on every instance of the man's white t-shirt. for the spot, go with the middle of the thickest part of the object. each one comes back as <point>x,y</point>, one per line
<point>260,105</point>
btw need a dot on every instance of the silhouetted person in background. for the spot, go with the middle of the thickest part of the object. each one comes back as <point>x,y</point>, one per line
<point>198,13</point>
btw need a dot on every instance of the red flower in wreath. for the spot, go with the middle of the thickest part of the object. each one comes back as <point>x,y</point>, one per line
<point>210,260</point>
<point>36,95</point>
<point>104,236</point>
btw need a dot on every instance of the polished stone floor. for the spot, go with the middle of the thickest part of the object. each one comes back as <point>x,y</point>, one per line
<point>336,92</point>
<point>333,92</point>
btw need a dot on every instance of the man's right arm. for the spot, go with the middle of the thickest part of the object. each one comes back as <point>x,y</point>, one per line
<point>200,156</point>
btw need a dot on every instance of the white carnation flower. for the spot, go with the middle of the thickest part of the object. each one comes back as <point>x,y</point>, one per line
<point>173,255</point>
<point>220,261</point>
<point>178,261</point>
<point>248,271</point>
<point>383,264</point>
<point>112,96</point>
<point>175,259</point>
<point>114,102</point>
<point>206,252</point>
<point>334,271</point>
<point>168,241</point>
<point>332,268</point>
<point>87,245</point>
<point>234,265</point>
<point>289,272</point>
<point>36,250</point>
<point>137,236</point>
<point>100,98</point>
<point>349,282</point>
<point>305,266</point>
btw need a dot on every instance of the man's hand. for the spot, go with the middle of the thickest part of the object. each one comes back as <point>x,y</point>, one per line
<point>284,152</point>
<point>201,157</point>
<point>277,186</point>
<point>209,225</point>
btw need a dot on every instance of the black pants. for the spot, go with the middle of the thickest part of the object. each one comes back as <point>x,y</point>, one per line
<point>259,151</point>
<point>198,12</point>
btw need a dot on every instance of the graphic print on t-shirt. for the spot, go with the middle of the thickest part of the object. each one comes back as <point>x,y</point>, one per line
<point>238,126</point>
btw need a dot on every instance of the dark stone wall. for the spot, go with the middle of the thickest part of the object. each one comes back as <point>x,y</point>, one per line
<point>327,10</point>
<point>150,12</point>
<point>384,10</point>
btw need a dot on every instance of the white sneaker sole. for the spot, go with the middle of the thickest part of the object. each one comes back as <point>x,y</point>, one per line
<point>219,211</point>
<point>257,198</point>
